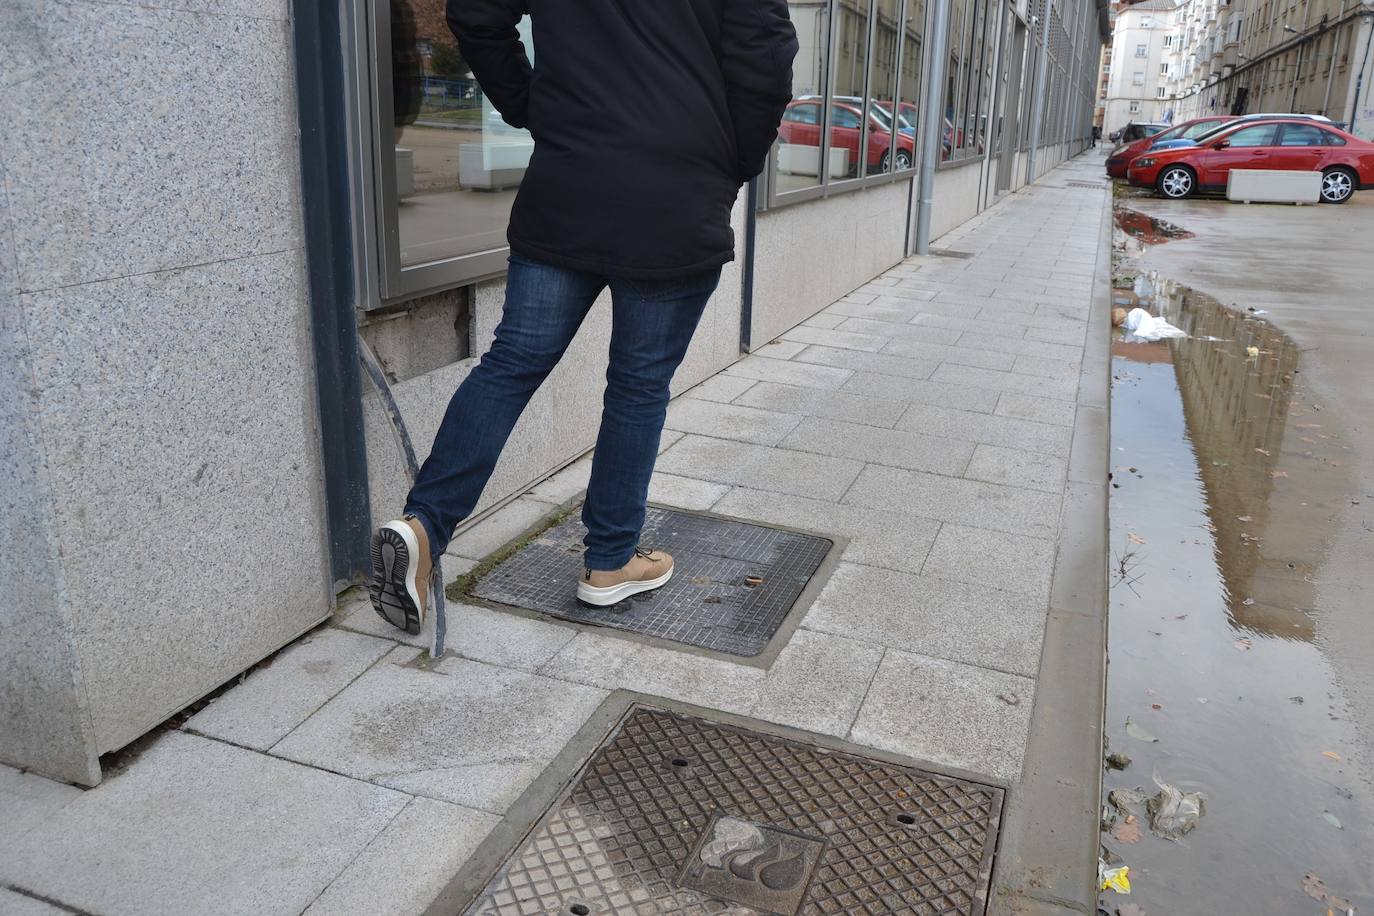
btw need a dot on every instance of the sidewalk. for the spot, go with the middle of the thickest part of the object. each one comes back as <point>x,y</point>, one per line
<point>947,421</point>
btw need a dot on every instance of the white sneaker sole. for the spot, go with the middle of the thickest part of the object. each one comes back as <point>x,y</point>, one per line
<point>614,594</point>
<point>394,595</point>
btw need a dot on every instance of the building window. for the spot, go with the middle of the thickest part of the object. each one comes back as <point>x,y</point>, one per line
<point>1142,50</point>
<point>1168,41</point>
<point>1135,107</point>
<point>1138,78</point>
<point>867,96</point>
<point>1163,69</point>
<point>1159,93</point>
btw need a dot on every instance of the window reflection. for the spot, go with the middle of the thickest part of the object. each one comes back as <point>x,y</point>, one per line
<point>798,151</point>
<point>898,136</point>
<point>847,114</point>
<point>458,165</point>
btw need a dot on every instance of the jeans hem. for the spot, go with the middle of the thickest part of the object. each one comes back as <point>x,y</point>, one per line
<point>437,545</point>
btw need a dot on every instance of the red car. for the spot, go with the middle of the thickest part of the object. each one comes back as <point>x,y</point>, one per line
<point>1345,161</point>
<point>801,125</point>
<point>1121,157</point>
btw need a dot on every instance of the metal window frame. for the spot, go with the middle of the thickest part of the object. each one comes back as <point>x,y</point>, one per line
<point>770,197</point>
<point>376,202</point>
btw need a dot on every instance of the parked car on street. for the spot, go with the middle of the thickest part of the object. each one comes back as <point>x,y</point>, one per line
<point>801,125</point>
<point>1137,130</point>
<point>1346,162</point>
<point>1163,142</point>
<point>1120,158</point>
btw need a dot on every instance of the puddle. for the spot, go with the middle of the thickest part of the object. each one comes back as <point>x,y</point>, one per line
<point>1134,230</point>
<point>1227,479</point>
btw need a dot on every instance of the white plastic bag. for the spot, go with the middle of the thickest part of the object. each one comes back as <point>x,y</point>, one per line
<point>1144,326</point>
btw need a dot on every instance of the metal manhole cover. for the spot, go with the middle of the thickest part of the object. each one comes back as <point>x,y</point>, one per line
<point>676,814</point>
<point>733,582</point>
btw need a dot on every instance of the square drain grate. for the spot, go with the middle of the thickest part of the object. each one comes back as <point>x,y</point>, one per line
<point>678,814</point>
<point>733,582</point>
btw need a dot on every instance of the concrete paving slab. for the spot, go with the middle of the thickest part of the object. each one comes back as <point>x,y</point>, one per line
<point>946,499</point>
<point>948,713</point>
<point>922,391</point>
<point>989,429</point>
<point>468,733</point>
<point>969,623</point>
<point>843,339</point>
<point>1038,409</point>
<point>896,448</point>
<point>685,492</point>
<point>1047,367</point>
<point>964,356</point>
<point>730,421</point>
<point>899,366</point>
<point>761,468</point>
<point>409,862</point>
<point>1018,468</point>
<point>612,663</point>
<point>29,800</point>
<point>1065,389</point>
<point>817,682</point>
<point>815,402</point>
<point>779,349</point>
<point>12,904</point>
<point>198,826</point>
<point>978,556</point>
<point>279,695</point>
<point>722,388</point>
<point>824,319</point>
<point>876,538</point>
<point>922,328</point>
<point>789,372</point>
<point>505,524</point>
<point>566,484</point>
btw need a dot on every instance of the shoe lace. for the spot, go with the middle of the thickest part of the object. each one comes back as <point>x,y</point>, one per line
<point>642,552</point>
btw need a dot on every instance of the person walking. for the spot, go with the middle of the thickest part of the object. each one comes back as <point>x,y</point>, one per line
<point>647,117</point>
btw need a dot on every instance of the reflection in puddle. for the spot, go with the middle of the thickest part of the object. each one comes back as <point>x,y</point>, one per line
<point>1227,479</point>
<point>1148,230</point>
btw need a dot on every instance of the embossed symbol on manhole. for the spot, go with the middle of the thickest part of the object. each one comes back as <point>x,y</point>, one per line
<point>754,864</point>
<point>679,814</point>
<point>733,584</point>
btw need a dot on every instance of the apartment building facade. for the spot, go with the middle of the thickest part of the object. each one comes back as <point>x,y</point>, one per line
<point>1143,54</point>
<point>1245,56</point>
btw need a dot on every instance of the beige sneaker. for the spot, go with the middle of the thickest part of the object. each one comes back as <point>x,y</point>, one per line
<point>400,573</point>
<point>646,571</point>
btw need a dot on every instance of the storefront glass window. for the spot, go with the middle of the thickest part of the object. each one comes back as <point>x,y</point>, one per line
<point>898,139</point>
<point>847,104</point>
<point>457,164</point>
<point>913,48</point>
<point>797,154</point>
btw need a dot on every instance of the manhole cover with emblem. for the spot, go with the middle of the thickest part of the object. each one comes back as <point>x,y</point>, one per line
<point>677,814</point>
<point>733,583</point>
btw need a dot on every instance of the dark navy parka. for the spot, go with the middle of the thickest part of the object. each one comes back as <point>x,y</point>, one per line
<point>647,116</point>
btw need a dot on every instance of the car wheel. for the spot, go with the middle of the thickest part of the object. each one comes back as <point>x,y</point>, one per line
<point>903,160</point>
<point>1338,186</point>
<point>1177,182</point>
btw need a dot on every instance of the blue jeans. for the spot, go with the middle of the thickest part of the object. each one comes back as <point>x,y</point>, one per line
<point>652,324</point>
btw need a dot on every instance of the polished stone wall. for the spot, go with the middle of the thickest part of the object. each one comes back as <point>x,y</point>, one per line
<point>164,527</point>
<point>810,254</point>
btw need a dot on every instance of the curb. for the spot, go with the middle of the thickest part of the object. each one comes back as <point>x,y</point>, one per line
<point>1047,863</point>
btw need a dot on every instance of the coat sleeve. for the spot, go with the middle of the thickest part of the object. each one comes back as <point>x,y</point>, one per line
<point>490,44</point>
<point>757,45</point>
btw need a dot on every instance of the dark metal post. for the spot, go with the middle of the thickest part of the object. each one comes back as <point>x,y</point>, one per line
<point>318,40</point>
